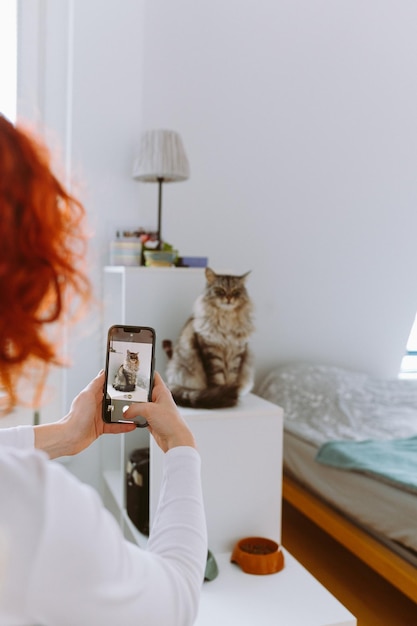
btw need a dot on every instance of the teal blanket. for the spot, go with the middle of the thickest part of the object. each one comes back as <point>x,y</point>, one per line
<point>393,461</point>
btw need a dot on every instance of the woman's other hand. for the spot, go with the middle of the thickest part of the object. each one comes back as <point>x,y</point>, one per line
<point>164,420</point>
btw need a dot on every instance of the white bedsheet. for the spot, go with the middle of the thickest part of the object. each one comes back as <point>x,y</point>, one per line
<point>323,403</point>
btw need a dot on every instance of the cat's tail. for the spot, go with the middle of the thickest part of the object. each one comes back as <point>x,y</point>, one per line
<point>218,397</point>
<point>167,347</point>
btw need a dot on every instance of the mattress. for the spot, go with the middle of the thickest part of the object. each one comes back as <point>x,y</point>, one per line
<point>322,404</point>
<point>387,513</point>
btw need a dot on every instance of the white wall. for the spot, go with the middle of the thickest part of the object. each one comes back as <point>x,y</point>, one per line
<point>299,121</point>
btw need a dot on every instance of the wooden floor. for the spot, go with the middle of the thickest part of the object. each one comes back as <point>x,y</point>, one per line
<point>365,594</point>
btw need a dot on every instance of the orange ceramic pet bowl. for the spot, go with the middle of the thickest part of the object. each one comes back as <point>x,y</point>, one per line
<point>257,555</point>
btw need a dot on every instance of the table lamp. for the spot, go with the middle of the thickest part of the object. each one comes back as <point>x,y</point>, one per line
<point>161,159</point>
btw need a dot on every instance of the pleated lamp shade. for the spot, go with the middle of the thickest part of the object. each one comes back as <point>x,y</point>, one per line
<point>161,157</point>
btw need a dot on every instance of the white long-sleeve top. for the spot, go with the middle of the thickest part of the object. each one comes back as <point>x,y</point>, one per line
<point>64,561</point>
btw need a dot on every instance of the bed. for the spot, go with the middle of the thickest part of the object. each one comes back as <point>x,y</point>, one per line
<point>350,461</point>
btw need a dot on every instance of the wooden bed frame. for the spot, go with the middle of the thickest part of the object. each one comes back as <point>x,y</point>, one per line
<point>399,572</point>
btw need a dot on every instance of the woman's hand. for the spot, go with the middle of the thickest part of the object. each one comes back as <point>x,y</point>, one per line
<point>83,424</point>
<point>164,420</point>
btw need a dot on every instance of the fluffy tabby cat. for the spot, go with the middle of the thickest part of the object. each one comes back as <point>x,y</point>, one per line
<point>125,379</point>
<point>211,364</point>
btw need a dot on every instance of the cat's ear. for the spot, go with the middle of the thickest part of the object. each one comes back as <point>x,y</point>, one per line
<point>244,276</point>
<point>210,275</point>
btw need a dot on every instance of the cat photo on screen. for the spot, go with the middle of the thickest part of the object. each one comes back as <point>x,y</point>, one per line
<point>211,364</point>
<point>129,372</point>
<point>126,375</point>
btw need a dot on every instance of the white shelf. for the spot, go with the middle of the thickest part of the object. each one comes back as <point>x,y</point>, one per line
<point>241,470</point>
<point>250,406</point>
<point>241,452</point>
<point>113,480</point>
<point>291,597</point>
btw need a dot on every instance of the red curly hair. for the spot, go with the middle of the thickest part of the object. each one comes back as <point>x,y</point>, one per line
<point>42,249</point>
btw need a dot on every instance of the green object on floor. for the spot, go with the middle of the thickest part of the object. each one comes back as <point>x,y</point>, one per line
<point>211,567</point>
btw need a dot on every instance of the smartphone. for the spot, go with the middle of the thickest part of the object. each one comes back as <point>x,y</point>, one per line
<point>130,361</point>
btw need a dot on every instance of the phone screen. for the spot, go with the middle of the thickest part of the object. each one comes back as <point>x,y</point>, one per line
<point>129,370</point>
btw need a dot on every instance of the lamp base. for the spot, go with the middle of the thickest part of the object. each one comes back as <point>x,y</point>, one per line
<point>160,181</point>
